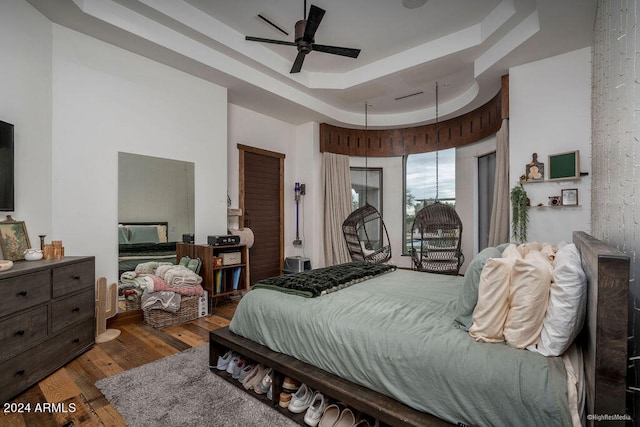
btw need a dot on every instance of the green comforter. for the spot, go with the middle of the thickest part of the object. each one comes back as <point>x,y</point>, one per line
<point>395,334</point>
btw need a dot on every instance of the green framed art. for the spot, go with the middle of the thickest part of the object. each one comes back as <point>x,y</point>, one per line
<point>564,165</point>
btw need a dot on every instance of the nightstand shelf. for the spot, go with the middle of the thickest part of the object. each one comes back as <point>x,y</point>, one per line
<point>223,280</point>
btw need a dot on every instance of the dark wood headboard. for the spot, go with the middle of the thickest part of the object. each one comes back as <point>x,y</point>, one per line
<point>604,335</point>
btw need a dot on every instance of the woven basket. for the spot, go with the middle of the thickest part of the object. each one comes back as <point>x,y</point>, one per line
<point>132,302</point>
<point>160,319</point>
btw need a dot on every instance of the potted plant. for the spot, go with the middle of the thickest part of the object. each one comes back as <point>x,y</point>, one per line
<point>520,213</point>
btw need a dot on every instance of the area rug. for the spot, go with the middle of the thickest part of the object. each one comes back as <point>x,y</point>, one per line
<point>179,390</point>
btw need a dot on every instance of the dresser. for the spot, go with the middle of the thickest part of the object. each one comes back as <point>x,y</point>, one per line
<point>47,318</point>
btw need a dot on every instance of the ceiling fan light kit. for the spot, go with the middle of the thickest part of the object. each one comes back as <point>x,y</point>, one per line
<point>305,31</point>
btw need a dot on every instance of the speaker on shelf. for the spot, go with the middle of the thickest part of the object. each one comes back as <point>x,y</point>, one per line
<point>188,238</point>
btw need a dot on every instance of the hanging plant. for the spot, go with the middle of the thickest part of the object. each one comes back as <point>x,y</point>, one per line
<point>520,215</point>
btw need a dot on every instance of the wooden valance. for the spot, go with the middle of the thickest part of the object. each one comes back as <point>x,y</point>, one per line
<point>466,129</point>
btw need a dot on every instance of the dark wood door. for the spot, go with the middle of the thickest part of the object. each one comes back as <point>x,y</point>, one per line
<point>262,201</point>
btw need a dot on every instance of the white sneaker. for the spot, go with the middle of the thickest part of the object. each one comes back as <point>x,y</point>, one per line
<point>233,363</point>
<point>301,399</point>
<point>223,361</point>
<point>248,371</point>
<point>315,410</point>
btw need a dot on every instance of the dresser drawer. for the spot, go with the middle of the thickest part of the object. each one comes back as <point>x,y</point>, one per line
<point>77,308</point>
<point>28,290</point>
<point>29,367</point>
<point>19,332</point>
<point>74,277</point>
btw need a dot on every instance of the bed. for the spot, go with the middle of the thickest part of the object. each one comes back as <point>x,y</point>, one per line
<point>140,242</point>
<point>395,349</point>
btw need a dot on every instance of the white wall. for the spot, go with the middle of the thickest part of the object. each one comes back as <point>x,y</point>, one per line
<point>25,94</point>
<point>107,100</point>
<point>550,112</point>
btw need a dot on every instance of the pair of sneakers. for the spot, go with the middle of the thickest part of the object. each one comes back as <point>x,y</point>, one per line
<point>301,399</point>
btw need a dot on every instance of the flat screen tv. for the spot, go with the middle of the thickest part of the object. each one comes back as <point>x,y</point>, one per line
<point>6,168</point>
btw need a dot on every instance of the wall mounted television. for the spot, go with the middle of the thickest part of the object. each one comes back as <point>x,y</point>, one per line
<point>7,197</point>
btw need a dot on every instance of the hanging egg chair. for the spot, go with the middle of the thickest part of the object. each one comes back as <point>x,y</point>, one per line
<point>366,235</point>
<point>436,234</point>
<point>364,231</point>
<point>437,230</point>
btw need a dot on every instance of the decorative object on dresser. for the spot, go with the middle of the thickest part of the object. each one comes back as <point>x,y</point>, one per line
<point>103,313</point>
<point>14,240</point>
<point>47,311</point>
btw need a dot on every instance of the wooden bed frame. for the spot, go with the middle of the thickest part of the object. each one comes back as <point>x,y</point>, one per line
<point>603,339</point>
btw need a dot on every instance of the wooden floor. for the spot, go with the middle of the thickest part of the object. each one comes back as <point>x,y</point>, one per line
<point>73,385</point>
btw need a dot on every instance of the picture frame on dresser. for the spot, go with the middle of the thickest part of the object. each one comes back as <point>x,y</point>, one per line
<point>14,240</point>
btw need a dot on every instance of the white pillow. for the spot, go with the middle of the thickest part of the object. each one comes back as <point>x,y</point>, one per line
<point>567,303</point>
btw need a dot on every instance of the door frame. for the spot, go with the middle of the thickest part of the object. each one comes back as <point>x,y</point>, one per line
<point>242,149</point>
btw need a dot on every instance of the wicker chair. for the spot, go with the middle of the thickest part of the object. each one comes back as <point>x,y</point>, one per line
<point>438,230</point>
<point>356,229</point>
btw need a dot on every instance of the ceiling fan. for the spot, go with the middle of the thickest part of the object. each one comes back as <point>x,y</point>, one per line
<point>305,31</point>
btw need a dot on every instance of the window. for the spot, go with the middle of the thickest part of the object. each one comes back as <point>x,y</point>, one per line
<point>420,184</point>
<point>366,187</point>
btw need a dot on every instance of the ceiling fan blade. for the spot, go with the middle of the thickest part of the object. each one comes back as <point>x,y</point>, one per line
<point>313,21</point>
<point>258,39</point>
<point>297,64</point>
<point>344,51</point>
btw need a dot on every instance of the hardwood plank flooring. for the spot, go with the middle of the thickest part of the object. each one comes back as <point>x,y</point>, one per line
<point>78,402</point>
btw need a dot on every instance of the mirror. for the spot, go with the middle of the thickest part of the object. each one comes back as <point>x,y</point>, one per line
<point>155,208</point>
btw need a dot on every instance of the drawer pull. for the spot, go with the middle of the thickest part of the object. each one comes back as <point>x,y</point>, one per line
<point>20,372</point>
<point>21,332</point>
<point>22,294</point>
<point>75,309</point>
<point>76,340</point>
<point>76,277</point>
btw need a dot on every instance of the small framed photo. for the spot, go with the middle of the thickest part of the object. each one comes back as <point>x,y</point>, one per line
<point>14,240</point>
<point>570,197</point>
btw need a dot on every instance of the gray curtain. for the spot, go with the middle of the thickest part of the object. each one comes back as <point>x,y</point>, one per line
<point>336,181</point>
<point>499,225</point>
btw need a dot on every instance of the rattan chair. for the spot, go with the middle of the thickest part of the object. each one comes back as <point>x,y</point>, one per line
<point>436,239</point>
<point>357,229</point>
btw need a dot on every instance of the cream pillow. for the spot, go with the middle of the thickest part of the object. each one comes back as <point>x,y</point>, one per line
<point>528,299</point>
<point>491,310</point>
<point>511,251</point>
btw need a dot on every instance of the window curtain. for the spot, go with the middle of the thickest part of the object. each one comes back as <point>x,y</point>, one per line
<point>499,224</point>
<point>336,180</point>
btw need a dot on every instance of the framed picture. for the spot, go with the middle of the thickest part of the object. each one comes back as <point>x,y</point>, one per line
<point>570,197</point>
<point>13,239</point>
<point>564,165</point>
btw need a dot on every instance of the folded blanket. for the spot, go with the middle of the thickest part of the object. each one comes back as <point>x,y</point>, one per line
<point>190,291</point>
<point>149,267</point>
<point>181,277</point>
<point>168,301</point>
<point>161,271</point>
<point>313,283</point>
